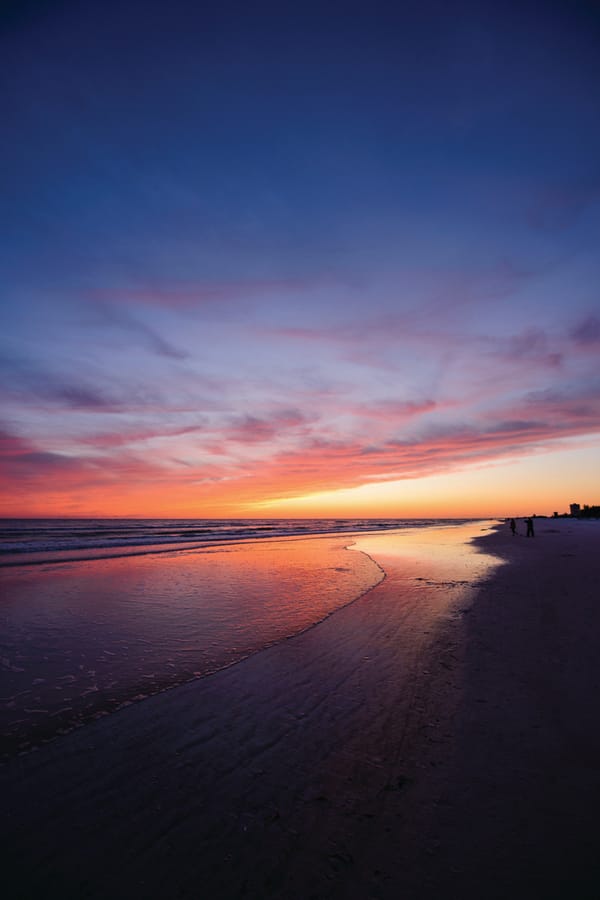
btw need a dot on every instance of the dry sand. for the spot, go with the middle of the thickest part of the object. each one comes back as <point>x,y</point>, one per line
<point>444,746</point>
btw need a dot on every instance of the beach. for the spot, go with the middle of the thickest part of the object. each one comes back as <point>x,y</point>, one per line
<point>436,737</point>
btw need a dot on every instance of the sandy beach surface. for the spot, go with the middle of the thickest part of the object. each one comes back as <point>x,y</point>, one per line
<point>438,737</point>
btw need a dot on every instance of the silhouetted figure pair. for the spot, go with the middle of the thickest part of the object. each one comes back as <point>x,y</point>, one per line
<point>530,532</point>
<point>513,526</point>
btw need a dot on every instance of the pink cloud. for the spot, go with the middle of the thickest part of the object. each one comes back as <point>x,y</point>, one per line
<point>315,464</point>
<point>257,429</point>
<point>396,411</point>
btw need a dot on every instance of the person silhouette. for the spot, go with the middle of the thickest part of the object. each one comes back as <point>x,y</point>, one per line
<point>513,526</point>
<point>530,531</point>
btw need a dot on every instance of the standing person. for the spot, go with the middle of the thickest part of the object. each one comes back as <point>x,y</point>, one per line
<point>513,526</point>
<point>530,532</point>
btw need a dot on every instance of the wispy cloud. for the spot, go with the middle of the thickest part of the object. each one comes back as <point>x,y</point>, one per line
<point>23,463</point>
<point>30,382</point>
<point>129,436</point>
<point>137,330</point>
<point>33,383</point>
<point>255,429</point>
<point>397,410</point>
<point>531,346</point>
<point>203,295</point>
<point>586,333</point>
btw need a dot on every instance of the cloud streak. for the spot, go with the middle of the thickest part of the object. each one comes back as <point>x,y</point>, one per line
<point>528,392</point>
<point>137,330</point>
<point>218,466</point>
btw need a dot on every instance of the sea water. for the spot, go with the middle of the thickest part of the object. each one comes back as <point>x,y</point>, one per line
<point>41,540</point>
<point>96,614</point>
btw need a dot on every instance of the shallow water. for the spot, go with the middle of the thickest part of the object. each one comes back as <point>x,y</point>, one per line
<point>80,639</point>
<point>442,557</point>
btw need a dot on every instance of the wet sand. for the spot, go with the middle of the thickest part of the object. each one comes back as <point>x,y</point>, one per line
<point>437,737</point>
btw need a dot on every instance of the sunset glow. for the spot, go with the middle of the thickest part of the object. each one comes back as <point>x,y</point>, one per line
<point>300,265</point>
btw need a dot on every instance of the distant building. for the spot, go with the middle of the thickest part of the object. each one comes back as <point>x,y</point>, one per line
<point>575,509</point>
<point>590,512</point>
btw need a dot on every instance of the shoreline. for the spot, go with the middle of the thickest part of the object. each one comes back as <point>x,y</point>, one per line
<point>349,761</point>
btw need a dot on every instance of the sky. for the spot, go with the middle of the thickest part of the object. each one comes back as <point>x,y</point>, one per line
<point>299,259</point>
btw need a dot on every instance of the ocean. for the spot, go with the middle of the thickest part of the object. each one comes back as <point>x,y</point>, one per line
<point>96,614</point>
<point>25,541</point>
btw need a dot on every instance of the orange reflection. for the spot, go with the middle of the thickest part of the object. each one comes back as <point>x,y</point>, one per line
<point>104,632</point>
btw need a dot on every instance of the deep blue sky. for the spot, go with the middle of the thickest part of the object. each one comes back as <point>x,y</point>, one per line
<point>230,236</point>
